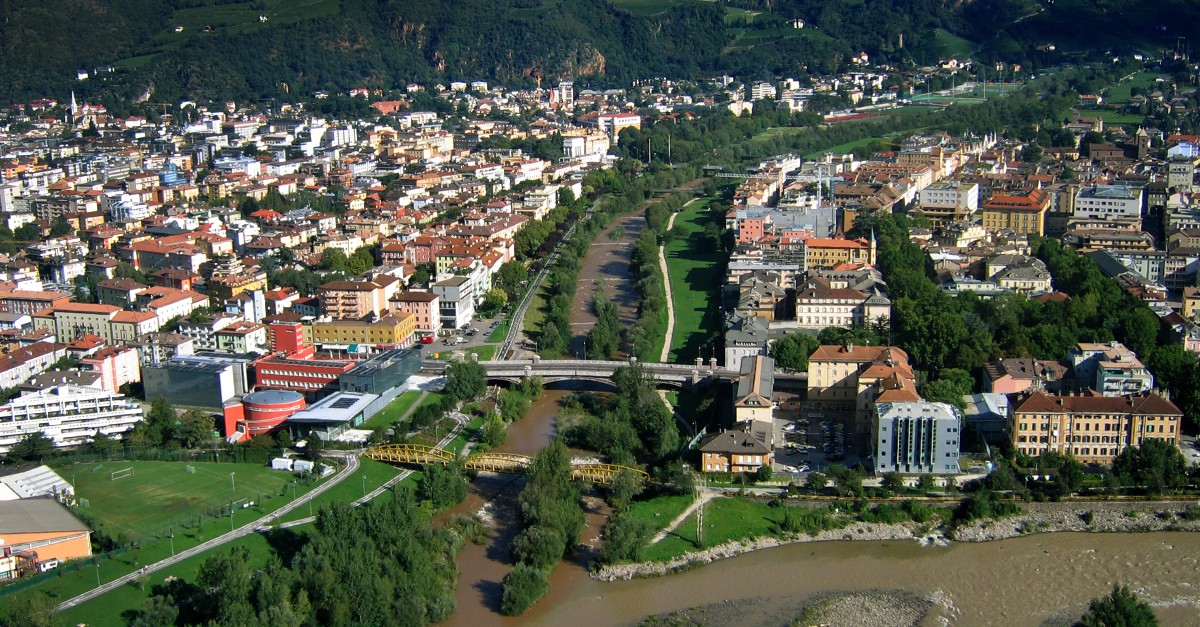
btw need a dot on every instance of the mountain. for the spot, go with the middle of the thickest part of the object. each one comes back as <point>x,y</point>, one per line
<point>165,50</point>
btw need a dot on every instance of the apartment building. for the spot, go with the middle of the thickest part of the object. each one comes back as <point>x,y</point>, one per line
<point>1094,429</point>
<point>68,415</point>
<point>73,320</point>
<point>1018,212</point>
<point>425,308</point>
<point>847,381</point>
<point>392,331</point>
<point>1110,369</point>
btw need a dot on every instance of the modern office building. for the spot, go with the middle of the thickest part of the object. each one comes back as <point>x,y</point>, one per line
<point>916,437</point>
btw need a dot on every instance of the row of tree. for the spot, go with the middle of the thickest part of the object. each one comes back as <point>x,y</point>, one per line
<point>633,423</point>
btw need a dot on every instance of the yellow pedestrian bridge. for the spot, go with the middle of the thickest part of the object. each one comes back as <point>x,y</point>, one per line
<point>509,463</point>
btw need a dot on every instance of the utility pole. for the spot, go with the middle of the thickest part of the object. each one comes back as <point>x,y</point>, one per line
<point>700,511</point>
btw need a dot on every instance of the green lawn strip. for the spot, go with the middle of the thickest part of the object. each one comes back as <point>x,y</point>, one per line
<point>162,495</point>
<point>1114,117</point>
<point>696,275</point>
<point>725,519</point>
<point>486,352</point>
<point>350,489</point>
<point>390,414</point>
<point>500,332</point>
<point>660,510</point>
<point>536,311</point>
<point>106,609</point>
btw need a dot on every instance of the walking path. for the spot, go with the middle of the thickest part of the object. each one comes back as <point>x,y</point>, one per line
<point>705,496</point>
<point>244,530</point>
<point>352,465</point>
<point>662,265</point>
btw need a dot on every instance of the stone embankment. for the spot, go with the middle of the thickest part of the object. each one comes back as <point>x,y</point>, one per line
<point>1079,516</point>
<point>1090,516</point>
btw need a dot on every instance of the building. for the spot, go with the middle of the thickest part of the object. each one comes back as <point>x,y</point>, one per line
<point>352,300</point>
<point>1110,369</point>
<point>425,308</point>
<point>71,320</point>
<point>116,366</point>
<point>207,381</point>
<point>456,301</point>
<point>37,535</point>
<point>395,330</point>
<point>30,302</point>
<point>916,438</point>
<point>1020,212</point>
<point>67,415</point>
<point>19,364</point>
<point>947,202</point>
<point>1019,374</point>
<point>825,254</point>
<point>745,336</point>
<point>733,451</point>
<point>847,381</point>
<point>752,400</point>
<point>1110,202</point>
<point>1094,429</point>
<point>260,413</point>
<point>818,305</point>
<point>332,415</point>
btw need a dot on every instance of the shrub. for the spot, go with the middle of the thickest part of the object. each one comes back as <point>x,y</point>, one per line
<point>539,546</point>
<point>523,586</point>
<point>1192,512</point>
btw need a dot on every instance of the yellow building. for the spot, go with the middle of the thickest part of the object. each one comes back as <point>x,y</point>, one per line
<point>1022,213</point>
<point>1094,429</point>
<point>395,330</point>
<point>825,254</point>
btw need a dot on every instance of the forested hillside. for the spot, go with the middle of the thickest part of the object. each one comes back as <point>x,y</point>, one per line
<point>163,50</point>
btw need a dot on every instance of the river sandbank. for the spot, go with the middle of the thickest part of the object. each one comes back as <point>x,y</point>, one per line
<point>1080,516</point>
<point>868,608</point>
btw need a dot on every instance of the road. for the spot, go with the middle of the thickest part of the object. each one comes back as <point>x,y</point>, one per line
<point>244,530</point>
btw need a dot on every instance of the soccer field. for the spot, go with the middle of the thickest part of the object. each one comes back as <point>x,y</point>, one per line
<point>158,495</point>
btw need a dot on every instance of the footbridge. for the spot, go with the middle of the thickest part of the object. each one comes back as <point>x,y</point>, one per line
<point>509,463</point>
<point>678,376</point>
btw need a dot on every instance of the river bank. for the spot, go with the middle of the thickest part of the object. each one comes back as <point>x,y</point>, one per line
<point>869,608</point>
<point>1086,517</point>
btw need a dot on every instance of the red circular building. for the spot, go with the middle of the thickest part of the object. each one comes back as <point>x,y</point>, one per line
<point>267,409</point>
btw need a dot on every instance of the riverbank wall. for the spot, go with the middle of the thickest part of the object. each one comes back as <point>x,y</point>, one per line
<point>1049,517</point>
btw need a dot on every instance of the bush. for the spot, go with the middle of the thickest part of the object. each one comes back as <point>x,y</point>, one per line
<point>810,521</point>
<point>984,504</point>
<point>523,586</point>
<point>1191,513</point>
<point>539,546</point>
<point>625,538</point>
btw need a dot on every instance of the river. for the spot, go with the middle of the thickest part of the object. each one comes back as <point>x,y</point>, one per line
<point>1022,581</point>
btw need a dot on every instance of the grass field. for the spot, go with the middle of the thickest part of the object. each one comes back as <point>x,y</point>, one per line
<point>697,274</point>
<point>486,352</point>
<point>1114,117</point>
<point>1123,91</point>
<point>725,519</point>
<point>393,411</point>
<point>536,312</point>
<point>500,332</point>
<point>161,494</point>
<point>647,7</point>
<point>849,147</point>
<point>660,510</point>
<point>951,45</point>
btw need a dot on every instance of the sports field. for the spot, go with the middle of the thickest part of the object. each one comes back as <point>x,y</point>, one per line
<point>162,494</point>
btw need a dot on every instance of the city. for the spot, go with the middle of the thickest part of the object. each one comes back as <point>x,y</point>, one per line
<point>821,346</point>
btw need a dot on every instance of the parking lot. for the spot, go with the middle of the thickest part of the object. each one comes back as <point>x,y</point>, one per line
<point>805,445</point>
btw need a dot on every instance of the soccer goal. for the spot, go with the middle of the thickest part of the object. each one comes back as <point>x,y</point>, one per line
<point>189,469</point>
<point>121,474</point>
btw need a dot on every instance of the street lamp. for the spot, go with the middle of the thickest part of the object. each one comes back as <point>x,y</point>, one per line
<point>97,563</point>
<point>232,483</point>
<point>172,537</point>
<point>364,484</point>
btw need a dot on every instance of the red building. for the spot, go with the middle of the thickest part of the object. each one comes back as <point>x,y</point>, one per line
<point>292,364</point>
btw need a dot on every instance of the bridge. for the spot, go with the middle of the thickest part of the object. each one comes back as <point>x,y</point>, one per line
<point>677,376</point>
<point>509,463</point>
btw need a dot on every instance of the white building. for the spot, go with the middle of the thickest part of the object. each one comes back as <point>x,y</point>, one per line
<point>1109,202</point>
<point>456,301</point>
<point>916,437</point>
<point>69,415</point>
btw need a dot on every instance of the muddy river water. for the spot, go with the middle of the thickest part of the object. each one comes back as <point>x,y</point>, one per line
<point>1022,581</point>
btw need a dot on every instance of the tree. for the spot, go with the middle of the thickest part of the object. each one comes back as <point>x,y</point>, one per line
<point>763,473</point>
<point>625,538</point>
<point>493,301</point>
<point>625,485</point>
<point>30,610</point>
<point>465,380</point>
<point>926,483</point>
<point>33,447</point>
<point>494,431</point>
<point>523,586</point>
<point>195,427</point>
<point>442,485</point>
<point>792,351</point>
<point>157,611</point>
<point>893,482</point>
<point>538,546</point>
<point>1121,608</point>
<point>1156,465</point>
<point>510,278</point>
<point>816,482</point>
